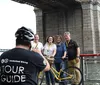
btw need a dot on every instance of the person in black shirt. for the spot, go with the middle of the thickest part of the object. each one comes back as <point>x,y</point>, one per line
<point>20,66</point>
<point>73,53</point>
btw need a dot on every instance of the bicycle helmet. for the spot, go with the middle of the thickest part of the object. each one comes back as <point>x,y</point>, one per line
<point>24,34</point>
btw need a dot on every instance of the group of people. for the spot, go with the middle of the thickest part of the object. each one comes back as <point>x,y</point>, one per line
<point>22,64</point>
<point>59,49</point>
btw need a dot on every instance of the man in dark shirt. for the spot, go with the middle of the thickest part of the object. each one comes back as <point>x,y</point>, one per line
<point>73,52</point>
<point>20,66</point>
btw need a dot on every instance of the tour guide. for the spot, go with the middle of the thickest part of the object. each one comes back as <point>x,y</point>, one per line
<point>20,66</point>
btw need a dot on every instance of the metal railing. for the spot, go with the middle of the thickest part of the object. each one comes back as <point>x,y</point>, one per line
<point>3,50</point>
<point>91,69</point>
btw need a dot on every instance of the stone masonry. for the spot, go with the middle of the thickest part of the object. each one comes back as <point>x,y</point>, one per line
<point>83,21</point>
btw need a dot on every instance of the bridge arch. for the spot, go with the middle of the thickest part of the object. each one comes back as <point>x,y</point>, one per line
<point>80,17</point>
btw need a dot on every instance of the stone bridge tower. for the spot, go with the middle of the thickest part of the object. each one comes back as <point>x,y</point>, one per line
<point>80,17</point>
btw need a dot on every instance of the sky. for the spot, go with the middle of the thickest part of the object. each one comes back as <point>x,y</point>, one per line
<point>13,15</point>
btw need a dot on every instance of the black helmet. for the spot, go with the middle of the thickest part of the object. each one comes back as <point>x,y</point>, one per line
<point>24,34</point>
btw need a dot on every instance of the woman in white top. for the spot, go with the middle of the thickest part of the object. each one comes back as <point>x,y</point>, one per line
<point>49,50</point>
<point>36,45</point>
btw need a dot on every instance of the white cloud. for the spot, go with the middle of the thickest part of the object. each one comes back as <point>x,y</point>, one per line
<point>12,16</point>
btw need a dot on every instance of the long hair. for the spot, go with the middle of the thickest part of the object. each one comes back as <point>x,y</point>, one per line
<point>48,38</point>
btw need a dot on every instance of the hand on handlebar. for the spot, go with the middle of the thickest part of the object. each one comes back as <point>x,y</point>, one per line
<point>51,56</point>
<point>64,58</point>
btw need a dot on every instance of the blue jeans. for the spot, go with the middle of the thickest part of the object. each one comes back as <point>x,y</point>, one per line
<point>60,65</point>
<point>57,65</point>
<point>49,77</point>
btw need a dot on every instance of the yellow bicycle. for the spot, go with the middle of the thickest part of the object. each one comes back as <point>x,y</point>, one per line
<point>67,74</point>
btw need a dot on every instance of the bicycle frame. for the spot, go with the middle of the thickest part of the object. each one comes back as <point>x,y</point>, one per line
<point>64,74</point>
<point>57,74</point>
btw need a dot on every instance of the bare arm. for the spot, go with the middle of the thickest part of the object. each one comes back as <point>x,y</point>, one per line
<point>47,64</point>
<point>64,55</point>
<point>45,60</point>
<point>78,55</point>
<point>78,51</point>
<point>54,52</point>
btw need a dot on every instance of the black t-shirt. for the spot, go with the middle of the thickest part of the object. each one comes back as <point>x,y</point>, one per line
<point>72,49</point>
<point>20,67</point>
